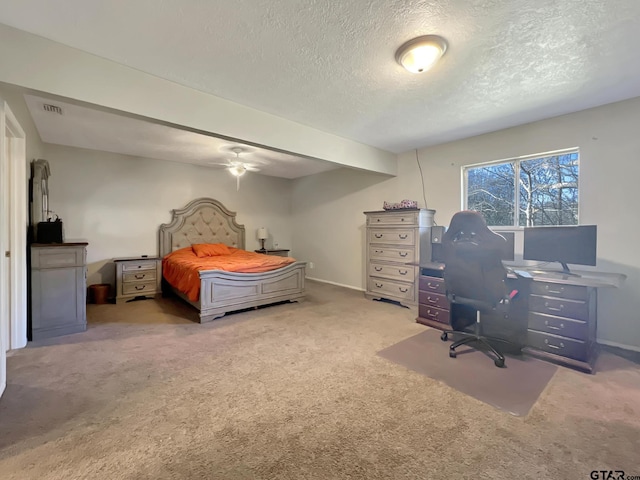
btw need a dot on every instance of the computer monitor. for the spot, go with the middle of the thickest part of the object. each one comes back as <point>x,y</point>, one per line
<point>565,244</point>
<point>508,252</point>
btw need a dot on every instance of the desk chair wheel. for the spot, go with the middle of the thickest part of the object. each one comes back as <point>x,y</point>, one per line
<point>499,362</point>
<point>444,336</point>
<point>452,353</point>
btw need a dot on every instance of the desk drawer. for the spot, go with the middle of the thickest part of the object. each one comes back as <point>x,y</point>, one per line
<point>404,255</point>
<point>566,347</point>
<point>392,288</point>
<point>395,272</point>
<point>395,236</point>
<point>565,327</point>
<point>436,314</point>
<point>432,284</point>
<point>559,307</point>
<point>433,299</point>
<point>573,292</point>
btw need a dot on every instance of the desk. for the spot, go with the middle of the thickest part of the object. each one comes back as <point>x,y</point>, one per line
<point>561,311</point>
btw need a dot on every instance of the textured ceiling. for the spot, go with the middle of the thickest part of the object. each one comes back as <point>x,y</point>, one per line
<point>85,127</point>
<point>330,65</point>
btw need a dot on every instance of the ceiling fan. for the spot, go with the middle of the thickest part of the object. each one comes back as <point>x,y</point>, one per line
<point>236,166</point>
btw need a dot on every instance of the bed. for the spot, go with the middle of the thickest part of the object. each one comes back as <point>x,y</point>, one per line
<point>206,220</point>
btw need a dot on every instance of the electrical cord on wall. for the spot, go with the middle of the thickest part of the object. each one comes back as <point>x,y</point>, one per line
<point>424,195</point>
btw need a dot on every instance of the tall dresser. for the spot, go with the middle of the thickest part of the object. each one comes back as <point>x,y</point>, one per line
<point>58,289</point>
<point>395,240</point>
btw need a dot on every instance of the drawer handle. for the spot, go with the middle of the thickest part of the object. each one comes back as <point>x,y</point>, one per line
<point>403,254</point>
<point>140,287</point>
<point>378,235</point>
<point>140,277</point>
<point>432,300</point>
<point>432,286</point>
<point>433,314</point>
<point>553,327</point>
<point>403,290</point>
<point>402,272</point>
<point>402,219</point>
<point>551,345</point>
<point>403,237</point>
<point>378,251</point>
<point>377,219</point>
<point>377,269</point>
<point>379,285</point>
<point>560,290</point>
<point>554,309</point>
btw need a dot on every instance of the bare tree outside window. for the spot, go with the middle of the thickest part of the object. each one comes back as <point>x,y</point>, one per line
<point>546,186</point>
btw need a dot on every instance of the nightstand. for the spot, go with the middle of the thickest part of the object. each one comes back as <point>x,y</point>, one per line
<point>279,252</point>
<point>137,277</point>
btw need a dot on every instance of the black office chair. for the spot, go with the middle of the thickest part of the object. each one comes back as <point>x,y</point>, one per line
<point>475,278</point>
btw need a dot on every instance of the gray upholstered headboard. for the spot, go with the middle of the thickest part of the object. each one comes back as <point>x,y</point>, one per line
<point>203,220</point>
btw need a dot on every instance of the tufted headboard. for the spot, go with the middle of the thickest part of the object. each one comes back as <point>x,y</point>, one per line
<point>203,220</point>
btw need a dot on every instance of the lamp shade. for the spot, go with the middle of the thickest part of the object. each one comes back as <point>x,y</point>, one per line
<point>420,54</point>
<point>262,233</point>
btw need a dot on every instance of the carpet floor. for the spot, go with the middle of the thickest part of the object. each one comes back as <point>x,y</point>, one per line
<point>293,391</point>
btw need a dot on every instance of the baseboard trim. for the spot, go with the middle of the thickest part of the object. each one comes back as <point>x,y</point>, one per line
<point>618,345</point>
<point>350,287</point>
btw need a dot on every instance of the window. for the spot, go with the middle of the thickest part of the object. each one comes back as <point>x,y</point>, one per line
<point>527,191</point>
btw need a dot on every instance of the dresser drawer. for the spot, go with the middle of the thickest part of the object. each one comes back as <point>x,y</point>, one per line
<point>433,299</point>
<point>564,346</point>
<point>432,284</point>
<point>139,276</point>
<point>573,292</point>
<point>394,272</point>
<point>391,288</point>
<point>140,288</point>
<point>436,314</point>
<point>393,218</point>
<point>394,236</point>
<point>404,255</point>
<point>559,307</point>
<point>139,265</point>
<point>565,327</point>
<point>57,257</point>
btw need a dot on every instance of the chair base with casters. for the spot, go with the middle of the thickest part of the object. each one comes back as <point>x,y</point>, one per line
<point>475,337</point>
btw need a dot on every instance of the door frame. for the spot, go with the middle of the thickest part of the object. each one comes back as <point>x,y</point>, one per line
<point>14,217</point>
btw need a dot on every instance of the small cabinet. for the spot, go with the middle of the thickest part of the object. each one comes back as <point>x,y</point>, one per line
<point>137,277</point>
<point>58,289</point>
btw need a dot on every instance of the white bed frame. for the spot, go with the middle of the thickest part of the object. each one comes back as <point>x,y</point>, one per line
<point>206,220</point>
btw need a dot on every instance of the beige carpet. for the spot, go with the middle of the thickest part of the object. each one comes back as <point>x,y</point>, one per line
<point>290,392</point>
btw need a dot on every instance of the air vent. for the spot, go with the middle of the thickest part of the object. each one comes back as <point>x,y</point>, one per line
<point>52,108</point>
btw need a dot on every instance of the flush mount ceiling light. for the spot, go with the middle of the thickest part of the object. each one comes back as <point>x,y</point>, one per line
<point>420,54</point>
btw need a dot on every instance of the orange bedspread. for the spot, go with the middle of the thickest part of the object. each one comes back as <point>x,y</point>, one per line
<point>180,268</point>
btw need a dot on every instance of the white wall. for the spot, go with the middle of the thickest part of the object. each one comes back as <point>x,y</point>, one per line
<point>13,96</point>
<point>328,208</point>
<point>117,202</point>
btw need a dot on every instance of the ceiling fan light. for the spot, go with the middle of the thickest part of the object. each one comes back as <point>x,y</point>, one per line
<point>420,54</point>
<point>237,170</point>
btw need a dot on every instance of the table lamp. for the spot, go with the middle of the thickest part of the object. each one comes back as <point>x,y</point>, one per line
<point>262,236</point>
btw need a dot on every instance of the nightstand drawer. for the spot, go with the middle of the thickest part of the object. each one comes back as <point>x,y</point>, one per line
<point>139,265</point>
<point>393,218</point>
<point>139,276</point>
<point>141,288</point>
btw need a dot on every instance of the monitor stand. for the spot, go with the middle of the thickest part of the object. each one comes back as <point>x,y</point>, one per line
<point>566,271</point>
